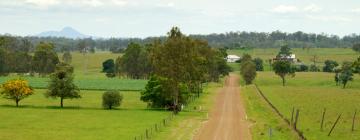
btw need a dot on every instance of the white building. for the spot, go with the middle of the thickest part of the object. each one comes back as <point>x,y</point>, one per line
<point>232,58</point>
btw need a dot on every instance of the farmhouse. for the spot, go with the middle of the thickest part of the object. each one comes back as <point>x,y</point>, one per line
<point>232,58</point>
<point>291,58</point>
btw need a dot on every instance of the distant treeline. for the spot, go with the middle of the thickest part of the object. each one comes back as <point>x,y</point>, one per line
<point>227,40</point>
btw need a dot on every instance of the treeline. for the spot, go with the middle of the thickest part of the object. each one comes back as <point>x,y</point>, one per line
<point>226,40</point>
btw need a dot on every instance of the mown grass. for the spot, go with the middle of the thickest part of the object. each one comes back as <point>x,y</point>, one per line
<point>40,118</point>
<point>311,93</point>
<point>265,123</point>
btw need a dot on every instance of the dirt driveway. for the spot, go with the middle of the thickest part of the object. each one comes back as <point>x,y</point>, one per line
<point>227,120</point>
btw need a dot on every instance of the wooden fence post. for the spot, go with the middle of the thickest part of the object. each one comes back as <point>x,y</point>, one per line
<point>332,128</point>
<point>322,119</point>
<point>296,118</point>
<point>353,122</point>
<point>292,116</point>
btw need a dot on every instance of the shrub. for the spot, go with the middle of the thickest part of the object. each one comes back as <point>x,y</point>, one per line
<point>330,65</point>
<point>111,99</point>
<point>314,68</point>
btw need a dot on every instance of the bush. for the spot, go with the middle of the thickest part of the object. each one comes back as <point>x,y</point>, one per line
<point>330,65</point>
<point>111,99</point>
<point>314,68</point>
<point>302,68</point>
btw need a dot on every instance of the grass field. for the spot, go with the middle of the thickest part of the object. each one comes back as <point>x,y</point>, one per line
<point>311,93</point>
<point>338,54</point>
<point>41,118</point>
<point>263,118</point>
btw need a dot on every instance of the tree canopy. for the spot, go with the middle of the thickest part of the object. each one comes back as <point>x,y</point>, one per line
<point>283,68</point>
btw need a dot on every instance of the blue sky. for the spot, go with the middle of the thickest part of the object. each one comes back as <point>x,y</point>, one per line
<point>142,18</point>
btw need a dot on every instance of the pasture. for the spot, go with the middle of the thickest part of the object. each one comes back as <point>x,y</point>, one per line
<point>41,118</point>
<point>305,55</point>
<point>311,93</point>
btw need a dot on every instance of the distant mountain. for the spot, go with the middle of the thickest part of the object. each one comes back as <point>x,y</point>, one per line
<point>66,32</point>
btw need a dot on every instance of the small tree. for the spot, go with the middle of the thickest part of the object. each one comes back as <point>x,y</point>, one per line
<point>285,50</point>
<point>16,90</point>
<point>356,47</point>
<point>108,66</point>
<point>111,99</point>
<point>283,68</point>
<point>314,68</point>
<point>61,84</point>
<point>246,57</point>
<point>337,70</point>
<point>346,74</point>
<point>259,64</point>
<point>67,58</point>
<point>248,71</point>
<point>356,66</point>
<point>330,65</point>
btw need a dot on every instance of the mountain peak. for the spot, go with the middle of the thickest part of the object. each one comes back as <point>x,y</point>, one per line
<point>67,32</point>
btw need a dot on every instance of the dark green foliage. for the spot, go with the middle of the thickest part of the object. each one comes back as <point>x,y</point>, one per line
<point>108,66</point>
<point>356,47</point>
<point>301,68</point>
<point>259,64</point>
<point>135,62</point>
<point>61,84</point>
<point>223,52</point>
<point>45,59</point>
<point>111,99</point>
<point>283,68</point>
<point>156,92</point>
<point>245,58</point>
<point>3,64</point>
<point>330,65</point>
<point>314,68</point>
<point>284,51</point>
<point>356,65</point>
<point>346,73</point>
<point>248,71</point>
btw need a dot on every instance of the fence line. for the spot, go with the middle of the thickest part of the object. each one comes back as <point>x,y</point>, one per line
<point>300,134</point>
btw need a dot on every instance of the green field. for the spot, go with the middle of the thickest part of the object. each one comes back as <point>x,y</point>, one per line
<point>41,118</point>
<point>311,93</point>
<point>338,54</point>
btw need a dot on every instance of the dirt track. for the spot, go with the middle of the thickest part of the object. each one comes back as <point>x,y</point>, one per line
<point>227,120</point>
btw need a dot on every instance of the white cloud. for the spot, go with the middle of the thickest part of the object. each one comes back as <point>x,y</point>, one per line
<point>357,10</point>
<point>169,4</point>
<point>312,8</point>
<point>93,3</point>
<point>285,9</point>
<point>333,18</point>
<point>42,3</point>
<point>120,2</point>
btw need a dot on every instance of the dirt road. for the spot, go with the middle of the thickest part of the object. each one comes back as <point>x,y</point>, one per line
<point>227,120</point>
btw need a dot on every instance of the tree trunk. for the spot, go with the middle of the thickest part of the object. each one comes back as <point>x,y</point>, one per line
<point>17,102</point>
<point>283,80</point>
<point>61,102</point>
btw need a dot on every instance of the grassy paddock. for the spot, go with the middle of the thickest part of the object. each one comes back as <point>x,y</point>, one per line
<point>311,93</point>
<point>338,54</point>
<point>40,118</point>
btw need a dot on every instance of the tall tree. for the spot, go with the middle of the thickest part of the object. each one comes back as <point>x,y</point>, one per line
<point>45,58</point>
<point>61,84</point>
<point>283,68</point>
<point>356,65</point>
<point>285,50</point>
<point>248,71</point>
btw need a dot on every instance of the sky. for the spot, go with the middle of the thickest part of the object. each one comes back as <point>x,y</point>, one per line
<point>144,18</point>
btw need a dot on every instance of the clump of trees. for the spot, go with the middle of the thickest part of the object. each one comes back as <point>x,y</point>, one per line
<point>16,90</point>
<point>45,59</point>
<point>248,69</point>
<point>330,65</point>
<point>111,99</point>
<point>180,65</point>
<point>109,67</point>
<point>61,84</point>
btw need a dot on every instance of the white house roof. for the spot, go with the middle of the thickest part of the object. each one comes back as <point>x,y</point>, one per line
<point>233,56</point>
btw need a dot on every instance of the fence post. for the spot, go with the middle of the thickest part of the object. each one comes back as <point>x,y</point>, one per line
<point>353,122</point>
<point>292,116</point>
<point>332,128</point>
<point>296,118</point>
<point>322,119</point>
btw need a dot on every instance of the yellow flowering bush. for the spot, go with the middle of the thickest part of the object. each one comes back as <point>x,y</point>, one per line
<point>16,90</point>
